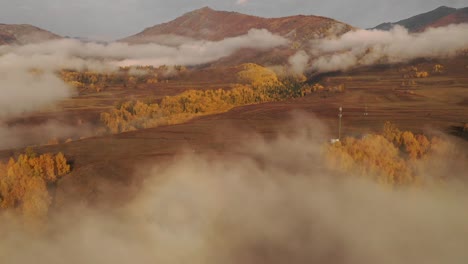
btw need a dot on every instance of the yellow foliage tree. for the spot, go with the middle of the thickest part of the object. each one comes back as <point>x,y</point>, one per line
<point>24,181</point>
<point>373,156</point>
<point>36,199</point>
<point>421,74</point>
<point>388,158</point>
<point>438,69</point>
<point>392,133</point>
<point>257,76</point>
<point>260,85</point>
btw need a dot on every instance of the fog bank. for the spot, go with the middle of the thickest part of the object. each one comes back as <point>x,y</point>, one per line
<point>273,202</point>
<point>368,47</point>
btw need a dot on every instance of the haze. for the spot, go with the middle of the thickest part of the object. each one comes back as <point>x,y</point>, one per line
<point>108,19</point>
<point>225,138</point>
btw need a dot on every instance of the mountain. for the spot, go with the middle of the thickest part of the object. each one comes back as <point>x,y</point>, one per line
<point>458,17</point>
<point>209,24</point>
<point>24,34</point>
<point>212,25</point>
<point>441,16</point>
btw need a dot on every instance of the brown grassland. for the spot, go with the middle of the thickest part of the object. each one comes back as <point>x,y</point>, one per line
<point>433,104</point>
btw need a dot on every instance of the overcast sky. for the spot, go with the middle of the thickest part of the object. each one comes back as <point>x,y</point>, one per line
<point>112,19</point>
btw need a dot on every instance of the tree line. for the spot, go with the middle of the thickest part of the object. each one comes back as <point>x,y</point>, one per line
<point>257,84</point>
<point>389,157</point>
<point>128,77</point>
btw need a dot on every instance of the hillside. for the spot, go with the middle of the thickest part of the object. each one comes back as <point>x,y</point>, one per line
<point>212,25</point>
<point>458,17</point>
<point>441,16</point>
<point>209,24</point>
<point>24,34</point>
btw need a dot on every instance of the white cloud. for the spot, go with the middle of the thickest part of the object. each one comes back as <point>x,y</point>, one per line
<point>299,61</point>
<point>75,54</point>
<point>368,47</point>
<point>22,91</point>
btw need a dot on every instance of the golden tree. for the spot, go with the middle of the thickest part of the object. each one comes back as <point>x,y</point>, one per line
<point>24,181</point>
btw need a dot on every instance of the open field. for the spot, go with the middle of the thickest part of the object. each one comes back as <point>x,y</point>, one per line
<point>431,105</point>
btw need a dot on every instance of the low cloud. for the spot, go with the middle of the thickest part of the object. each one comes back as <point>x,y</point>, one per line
<point>199,52</point>
<point>28,73</point>
<point>368,47</point>
<point>77,55</point>
<point>275,202</point>
<point>24,91</point>
<point>298,62</point>
<point>50,132</point>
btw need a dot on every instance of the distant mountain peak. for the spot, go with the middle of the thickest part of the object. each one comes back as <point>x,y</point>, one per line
<point>208,12</point>
<point>444,8</point>
<point>212,25</point>
<point>204,9</point>
<point>209,24</point>
<point>201,11</point>
<point>441,16</point>
<point>24,34</point>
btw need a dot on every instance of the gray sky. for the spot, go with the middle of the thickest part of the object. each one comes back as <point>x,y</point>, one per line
<point>111,19</point>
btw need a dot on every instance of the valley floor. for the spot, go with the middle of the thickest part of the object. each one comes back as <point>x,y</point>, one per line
<point>436,104</point>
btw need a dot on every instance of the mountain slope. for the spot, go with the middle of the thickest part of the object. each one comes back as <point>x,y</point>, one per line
<point>209,24</point>
<point>458,17</point>
<point>24,34</point>
<point>212,25</point>
<point>441,16</point>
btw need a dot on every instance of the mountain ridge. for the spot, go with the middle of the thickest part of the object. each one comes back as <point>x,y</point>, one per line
<point>209,24</point>
<point>21,34</point>
<point>441,16</point>
<point>460,16</point>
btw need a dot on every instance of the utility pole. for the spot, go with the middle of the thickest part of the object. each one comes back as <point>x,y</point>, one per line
<point>340,115</point>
